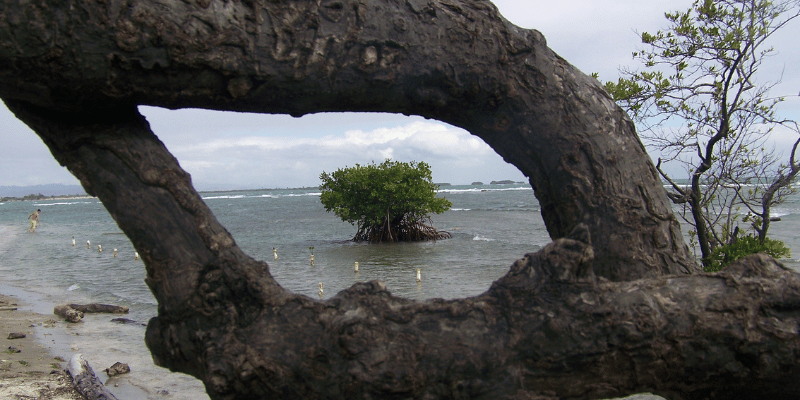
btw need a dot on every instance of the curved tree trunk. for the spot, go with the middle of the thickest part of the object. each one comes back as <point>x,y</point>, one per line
<point>550,328</point>
<point>457,61</point>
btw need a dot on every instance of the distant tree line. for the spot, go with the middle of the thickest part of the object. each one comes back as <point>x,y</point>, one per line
<point>38,196</point>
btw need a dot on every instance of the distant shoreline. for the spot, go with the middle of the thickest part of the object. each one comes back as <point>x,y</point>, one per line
<point>42,197</point>
<point>39,196</point>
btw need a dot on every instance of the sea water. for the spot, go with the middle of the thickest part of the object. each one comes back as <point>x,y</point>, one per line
<point>492,226</point>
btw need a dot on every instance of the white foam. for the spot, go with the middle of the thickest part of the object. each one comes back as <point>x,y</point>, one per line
<point>223,197</point>
<point>266,195</point>
<point>479,237</point>
<point>63,203</point>
<point>482,190</point>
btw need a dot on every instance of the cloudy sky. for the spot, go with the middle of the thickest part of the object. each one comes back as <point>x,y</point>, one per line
<point>232,150</point>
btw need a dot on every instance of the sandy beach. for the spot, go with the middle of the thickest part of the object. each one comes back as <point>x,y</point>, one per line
<point>29,369</point>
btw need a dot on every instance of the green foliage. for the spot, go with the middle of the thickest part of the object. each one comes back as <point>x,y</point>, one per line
<point>743,247</point>
<point>699,102</point>
<point>388,202</point>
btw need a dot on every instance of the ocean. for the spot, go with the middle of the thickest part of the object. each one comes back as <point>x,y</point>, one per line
<point>492,226</point>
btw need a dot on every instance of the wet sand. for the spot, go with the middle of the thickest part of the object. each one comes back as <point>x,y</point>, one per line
<point>34,371</point>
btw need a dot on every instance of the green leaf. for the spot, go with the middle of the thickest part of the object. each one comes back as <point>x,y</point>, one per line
<point>722,256</point>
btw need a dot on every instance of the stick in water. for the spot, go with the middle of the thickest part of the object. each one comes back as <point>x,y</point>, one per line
<point>86,382</point>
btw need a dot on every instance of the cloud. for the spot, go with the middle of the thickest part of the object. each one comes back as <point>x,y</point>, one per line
<point>594,36</point>
<point>290,160</point>
<point>24,158</point>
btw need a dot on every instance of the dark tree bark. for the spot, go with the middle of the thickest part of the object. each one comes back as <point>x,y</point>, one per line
<point>551,328</point>
<point>456,61</point>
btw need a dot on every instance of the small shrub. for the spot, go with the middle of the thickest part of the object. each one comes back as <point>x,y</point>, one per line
<point>389,202</point>
<point>745,246</point>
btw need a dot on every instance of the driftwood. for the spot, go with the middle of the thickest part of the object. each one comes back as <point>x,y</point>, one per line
<point>68,313</point>
<point>85,381</point>
<point>74,312</point>
<point>613,306</point>
<point>99,308</point>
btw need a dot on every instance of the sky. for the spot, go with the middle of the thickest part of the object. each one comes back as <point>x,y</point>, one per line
<point>224,150</point>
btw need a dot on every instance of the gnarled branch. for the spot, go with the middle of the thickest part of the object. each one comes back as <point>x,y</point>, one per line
<point>593,314</point>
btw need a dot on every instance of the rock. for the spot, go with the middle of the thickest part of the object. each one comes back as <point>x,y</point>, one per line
<point>12,349</point>
<point>16,335</point>
<point>127,321</point>
<point>117,369</point>
<point>68,313</point>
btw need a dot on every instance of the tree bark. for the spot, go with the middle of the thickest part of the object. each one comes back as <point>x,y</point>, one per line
<point>86,382</point>
<point>571,321</point>
<point>457,61</point>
